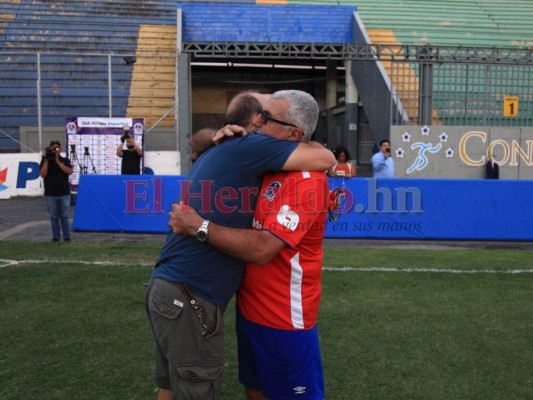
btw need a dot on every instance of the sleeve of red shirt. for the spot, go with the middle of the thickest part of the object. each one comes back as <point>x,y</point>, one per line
<point>301,206</point>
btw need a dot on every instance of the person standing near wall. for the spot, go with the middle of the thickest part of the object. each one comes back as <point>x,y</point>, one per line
<point>382,162</point>
<point>344,166</point>
<point>492,169</point>
<point>131,156</point>
<point>55,171</point>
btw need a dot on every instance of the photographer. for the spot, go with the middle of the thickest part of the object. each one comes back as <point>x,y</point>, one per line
<point>382,162</point>
<point>55,170</point>
<point>131,156</point>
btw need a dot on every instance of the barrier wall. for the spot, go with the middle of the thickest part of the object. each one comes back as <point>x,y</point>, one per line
<point>461,151</point>
<point>19,175</point>
<point>19,172</point>
<point>385,208</point>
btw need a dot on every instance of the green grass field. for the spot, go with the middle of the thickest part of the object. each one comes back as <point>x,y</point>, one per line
<point>397,324</point>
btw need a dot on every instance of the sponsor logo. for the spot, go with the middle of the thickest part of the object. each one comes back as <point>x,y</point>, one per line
<point>138,128</point>
<point>3,179</point>
<point>71,127</point>
<point>271,191</point>
<point>257,225</point>
<point>299,389</point>
<point>288,218</point>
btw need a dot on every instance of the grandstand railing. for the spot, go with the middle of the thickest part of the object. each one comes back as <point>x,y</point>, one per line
<point>437,85</point>
<point>42,89</point>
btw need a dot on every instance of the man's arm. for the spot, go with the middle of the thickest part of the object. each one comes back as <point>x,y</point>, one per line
<point>44,168</point>
<point>248,245</point>
<point>138,149</point>
<point>311,156</point>
<point>378,161</point>
<point>353,168</point>
<point>67,169</point>
<point>205,138</point>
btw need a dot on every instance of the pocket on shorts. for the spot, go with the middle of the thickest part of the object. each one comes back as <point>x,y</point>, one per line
<point>199,381</point>
<point>165,302</point>
<point>202,372</point>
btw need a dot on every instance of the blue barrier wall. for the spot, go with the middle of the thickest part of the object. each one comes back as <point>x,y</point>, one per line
<point>381,209</point>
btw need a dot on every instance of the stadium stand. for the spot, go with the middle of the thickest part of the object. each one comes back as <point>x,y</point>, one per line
<point>491,23</point>
<point>126,29</point>
<point>76,83</point>
<point>487,23</point>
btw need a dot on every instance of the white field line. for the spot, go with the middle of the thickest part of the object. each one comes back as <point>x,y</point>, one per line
<point>430,270</point>
<point>19,228</point>
<point>9,263</point>
<point>13,263</point>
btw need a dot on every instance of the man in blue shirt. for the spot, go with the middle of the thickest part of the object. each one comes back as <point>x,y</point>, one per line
<point>382,162</point>
<point>193,282</point>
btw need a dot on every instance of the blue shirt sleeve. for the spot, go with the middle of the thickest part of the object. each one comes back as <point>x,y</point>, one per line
<point>262,153</point>
<point>378,161</point>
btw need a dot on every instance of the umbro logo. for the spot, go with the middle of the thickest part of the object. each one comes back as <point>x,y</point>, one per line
<point>299,390</point>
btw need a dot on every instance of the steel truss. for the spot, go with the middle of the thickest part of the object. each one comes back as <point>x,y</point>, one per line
<point>203,51</point>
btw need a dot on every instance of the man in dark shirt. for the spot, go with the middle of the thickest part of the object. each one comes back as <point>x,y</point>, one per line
<point>55,170</point>
<point>193,283</point>
<point>492,169</point>
<point>131,156</point>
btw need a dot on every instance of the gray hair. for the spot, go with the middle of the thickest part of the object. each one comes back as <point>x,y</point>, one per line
<point>302,111</point>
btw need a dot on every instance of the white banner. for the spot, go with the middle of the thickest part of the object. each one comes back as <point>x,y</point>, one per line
<point>19,175</point>
<point>84,122</point>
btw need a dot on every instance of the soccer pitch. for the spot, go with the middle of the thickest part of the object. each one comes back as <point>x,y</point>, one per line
<point>394,323</point>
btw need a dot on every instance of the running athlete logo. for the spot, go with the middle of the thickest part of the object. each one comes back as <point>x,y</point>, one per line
<point>299,390</point>
<point>422,159</point>
<point>272,190</point>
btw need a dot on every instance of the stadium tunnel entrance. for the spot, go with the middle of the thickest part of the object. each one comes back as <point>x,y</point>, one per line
<point>273,48</point>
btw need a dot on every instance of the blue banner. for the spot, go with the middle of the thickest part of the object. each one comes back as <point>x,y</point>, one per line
<point>381,209</point>
<point>125,203</point>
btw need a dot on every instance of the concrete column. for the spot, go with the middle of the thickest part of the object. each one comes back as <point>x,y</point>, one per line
<point>350,125</point>
<point>331,102</point>
<point>183,111</point>
<point>331,84</point>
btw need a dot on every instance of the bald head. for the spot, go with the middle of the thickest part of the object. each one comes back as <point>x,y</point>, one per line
<point>243,108</point>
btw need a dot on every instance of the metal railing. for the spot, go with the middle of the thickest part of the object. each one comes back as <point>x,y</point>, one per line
<point>435,85</point>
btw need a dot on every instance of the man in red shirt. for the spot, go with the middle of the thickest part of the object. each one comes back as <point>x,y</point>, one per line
<point>278,300</point>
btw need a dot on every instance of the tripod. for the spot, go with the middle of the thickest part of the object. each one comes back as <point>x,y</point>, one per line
<point>86,160</point>
<point>74,157</point>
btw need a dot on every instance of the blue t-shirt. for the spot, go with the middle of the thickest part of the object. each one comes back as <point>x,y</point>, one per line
<point>222,185</point>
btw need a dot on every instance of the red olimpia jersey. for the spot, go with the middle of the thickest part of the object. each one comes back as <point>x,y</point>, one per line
<point>285,293</point>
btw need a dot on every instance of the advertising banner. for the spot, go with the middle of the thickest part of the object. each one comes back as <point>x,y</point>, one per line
<point>92,144</point>
<point>19,175</point>
<point>371,208</point>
